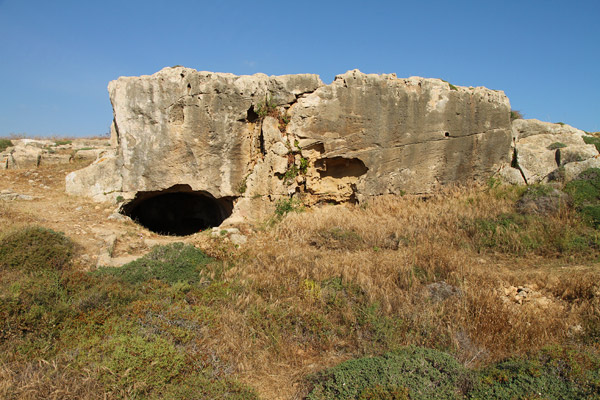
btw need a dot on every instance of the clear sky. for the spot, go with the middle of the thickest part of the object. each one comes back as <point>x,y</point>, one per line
<point>57,57</point>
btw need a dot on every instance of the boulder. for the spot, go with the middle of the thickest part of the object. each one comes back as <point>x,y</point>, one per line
<point>245,142</point>
<point>543,147</point>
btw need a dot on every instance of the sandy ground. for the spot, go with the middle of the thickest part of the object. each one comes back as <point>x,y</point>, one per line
<point>101,233</point>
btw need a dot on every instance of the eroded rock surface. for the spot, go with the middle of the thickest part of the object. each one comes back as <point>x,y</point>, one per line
<point>256,139</point>
<point>546,151</point>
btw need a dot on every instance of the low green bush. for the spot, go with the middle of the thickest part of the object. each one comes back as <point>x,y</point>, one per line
<point>553,373</point>
<point>585,191</point>
<point>4,144</point>
<point>420,373</point>
<point>34,249</point>
<point>556,145</point>
<point>284,206</point>
<point>408,373</point>
<point>141,363</point>
<point>592,140</point>
<point>176,262</point>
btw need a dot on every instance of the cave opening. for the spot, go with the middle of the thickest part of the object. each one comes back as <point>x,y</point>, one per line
<point>178,211</point>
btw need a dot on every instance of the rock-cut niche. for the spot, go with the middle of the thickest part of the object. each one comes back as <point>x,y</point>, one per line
<point>178,210</point>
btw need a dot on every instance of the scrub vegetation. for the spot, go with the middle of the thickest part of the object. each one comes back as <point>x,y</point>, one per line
<point>458,295</point>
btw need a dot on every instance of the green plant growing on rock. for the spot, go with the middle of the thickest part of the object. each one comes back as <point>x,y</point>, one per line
<point>4,144</point>
<point>592,140</point>
<point>303,165</point>
<point>515,114</point>
<point>556,145</point>
<point>284,206</point>
<point>243,185</point>
<point>267,107</point>
<point>290,174</point>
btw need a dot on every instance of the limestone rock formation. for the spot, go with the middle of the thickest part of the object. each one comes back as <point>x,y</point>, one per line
<point>32,153</point>
<point>240,143</point>
<point>547,151</point>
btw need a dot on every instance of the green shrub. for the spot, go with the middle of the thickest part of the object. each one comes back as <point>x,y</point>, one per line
<point>34,249</point>
<point>303,165</point>
<point>592,140</point>
<point>411,372</point>
<point>267,107</point>
<point>203,387</point>
<point>176,262</point>
<point>515,114</point>
<point>62,142</point>
<point>585,191</point>
<point>142,364</point>
<point>4,144</point>
<point>284,206</point>
<point>553,373</point>
<point>556,145</point>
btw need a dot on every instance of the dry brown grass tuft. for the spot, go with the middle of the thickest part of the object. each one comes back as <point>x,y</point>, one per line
<point>48,380</point>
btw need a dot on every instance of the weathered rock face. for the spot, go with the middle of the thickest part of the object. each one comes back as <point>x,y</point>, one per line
<point>547,151</point>
<point>400,134</point>
<point>250,140</point>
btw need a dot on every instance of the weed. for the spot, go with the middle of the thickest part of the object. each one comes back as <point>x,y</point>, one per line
<point>303,165</point>
<point>267,107</point>
<point>451,86</point>
<point>4,144</point>
<point>243,185</point>
<point>35,249</point>
<point>120,199</point>
<point>62,142</point>
<point>284,206</point>
<point>290,174</point>
<point>515,114</point>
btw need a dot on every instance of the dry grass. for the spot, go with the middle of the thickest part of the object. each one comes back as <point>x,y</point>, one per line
<point>391,250</point>
<point>48,380</point>
<point>339,282</point>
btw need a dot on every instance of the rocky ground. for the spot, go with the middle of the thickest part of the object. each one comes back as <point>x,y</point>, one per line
<point>35,193</point>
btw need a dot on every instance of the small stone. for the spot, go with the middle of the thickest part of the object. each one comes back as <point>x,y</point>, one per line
<point>116,217</point>
<point>238,239</point>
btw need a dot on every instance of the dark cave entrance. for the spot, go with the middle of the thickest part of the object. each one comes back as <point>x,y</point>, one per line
<point>178,211</point>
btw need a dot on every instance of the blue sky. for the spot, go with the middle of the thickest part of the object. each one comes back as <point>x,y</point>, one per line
<point>57,57</point>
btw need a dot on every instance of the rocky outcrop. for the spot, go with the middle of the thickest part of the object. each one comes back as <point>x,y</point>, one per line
<point>543,151</point>
<point>32,153</point>
<point>247,141</point>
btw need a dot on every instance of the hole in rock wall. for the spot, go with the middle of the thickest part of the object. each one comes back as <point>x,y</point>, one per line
<point>178,211</point>
<point>339,167</point>
<point>251,115</point>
